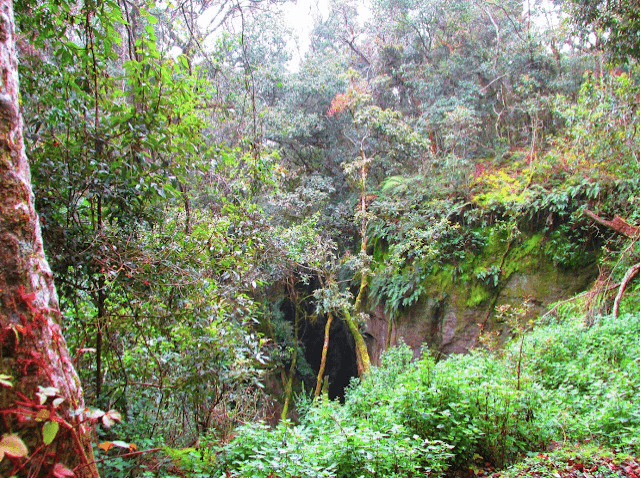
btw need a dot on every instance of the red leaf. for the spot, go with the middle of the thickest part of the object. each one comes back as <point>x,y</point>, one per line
<point>61,471</point>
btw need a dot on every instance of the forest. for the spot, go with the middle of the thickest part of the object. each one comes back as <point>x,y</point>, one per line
<point>401,243</point>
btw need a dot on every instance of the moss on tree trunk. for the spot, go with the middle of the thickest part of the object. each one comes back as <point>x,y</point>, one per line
<point>43,381</point>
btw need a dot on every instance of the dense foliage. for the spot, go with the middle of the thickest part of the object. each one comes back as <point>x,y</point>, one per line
<point>420,418</point>
<point>211,208</point>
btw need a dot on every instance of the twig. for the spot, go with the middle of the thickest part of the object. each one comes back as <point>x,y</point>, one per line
<point>585,293</point>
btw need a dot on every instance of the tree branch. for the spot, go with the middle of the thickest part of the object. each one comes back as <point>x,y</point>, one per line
<point>618,224</point>
<point>631,273</point>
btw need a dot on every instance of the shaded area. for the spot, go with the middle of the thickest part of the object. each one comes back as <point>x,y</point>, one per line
<point>341,353</point>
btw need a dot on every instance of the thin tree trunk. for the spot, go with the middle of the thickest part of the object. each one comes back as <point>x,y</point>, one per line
<point>187,203</point>
<point>321,369</point>
<point>34,352</point>
<point>292,370</point>
<point>390,329</point>
<point>362,356</point>
<point>99,335</point>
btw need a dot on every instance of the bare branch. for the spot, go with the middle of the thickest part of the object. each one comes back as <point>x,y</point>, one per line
<point>631,273</point>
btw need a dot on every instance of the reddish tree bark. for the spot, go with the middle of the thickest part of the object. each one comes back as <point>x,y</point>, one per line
<point>618,224</point>
<point>33,350</point>
<point>631,273</point>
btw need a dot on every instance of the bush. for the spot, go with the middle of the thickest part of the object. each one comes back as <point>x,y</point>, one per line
<point>590,376</point>
<point>565,381</point>
<point>327,443</point>
<point>472,403</point>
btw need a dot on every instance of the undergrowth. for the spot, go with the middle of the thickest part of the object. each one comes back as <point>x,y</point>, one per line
<point>569,382</point>
<point>561,399</point>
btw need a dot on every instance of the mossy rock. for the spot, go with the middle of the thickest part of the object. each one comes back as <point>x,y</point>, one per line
<point>450,314</point>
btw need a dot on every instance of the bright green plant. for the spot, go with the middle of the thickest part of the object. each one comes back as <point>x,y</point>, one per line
<point>603,127</point>
<point>590,376</point>
<point>472,403</point>
<point>329,443</point>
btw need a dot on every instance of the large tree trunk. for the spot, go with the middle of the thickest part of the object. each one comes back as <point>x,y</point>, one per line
<point>38,401</point>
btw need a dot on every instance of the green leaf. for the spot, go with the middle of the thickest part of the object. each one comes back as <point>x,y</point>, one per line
<point>49,431</point>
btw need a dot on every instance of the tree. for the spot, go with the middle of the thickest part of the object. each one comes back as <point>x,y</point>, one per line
<point>616,22</point>
<point>148,232</point>
<point>41,402</point>
<point>383,143</point>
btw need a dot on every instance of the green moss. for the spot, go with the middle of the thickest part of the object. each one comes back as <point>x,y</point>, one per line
<point>519,254</point>
<point>497,237</point>
<point>443,279</point>
<point>523,256</point>
<point>525,253</point>
<point>476,295</point>
<point>378,252</point>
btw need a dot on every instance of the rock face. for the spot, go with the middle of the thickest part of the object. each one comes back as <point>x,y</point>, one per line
<point>445,322</point>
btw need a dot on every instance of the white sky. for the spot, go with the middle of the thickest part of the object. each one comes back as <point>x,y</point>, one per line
<point>300,15</point>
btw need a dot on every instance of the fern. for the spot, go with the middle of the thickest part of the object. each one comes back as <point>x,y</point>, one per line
<point>395,185</point>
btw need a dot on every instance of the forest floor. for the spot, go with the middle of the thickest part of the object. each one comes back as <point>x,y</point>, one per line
<point>582,459</point>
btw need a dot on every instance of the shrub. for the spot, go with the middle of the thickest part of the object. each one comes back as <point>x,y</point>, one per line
<point>472,402</point>
<point>327,443</point>
<point>590,376</point>
<point>419,418</point>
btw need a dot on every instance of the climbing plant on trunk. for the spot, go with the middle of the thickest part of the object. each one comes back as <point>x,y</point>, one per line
<point>383,142</point>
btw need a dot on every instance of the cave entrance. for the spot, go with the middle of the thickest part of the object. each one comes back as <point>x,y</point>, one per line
<point>341,353</point>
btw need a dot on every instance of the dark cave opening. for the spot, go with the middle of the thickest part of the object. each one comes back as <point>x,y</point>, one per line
<point>341,353</point>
